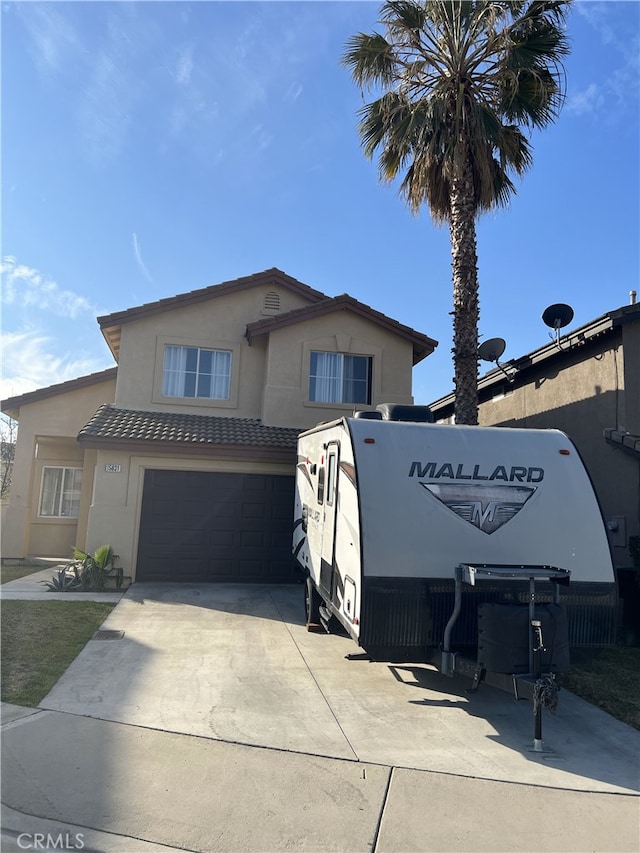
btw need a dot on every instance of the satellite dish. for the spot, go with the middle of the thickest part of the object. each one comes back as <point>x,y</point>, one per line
<point>557,316</point>
<point>492,349</point>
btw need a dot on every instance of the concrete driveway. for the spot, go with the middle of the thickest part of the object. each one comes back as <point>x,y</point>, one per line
<point>235,663</point>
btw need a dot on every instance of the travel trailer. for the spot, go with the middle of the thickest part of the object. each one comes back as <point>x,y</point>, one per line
<point>449,544</point>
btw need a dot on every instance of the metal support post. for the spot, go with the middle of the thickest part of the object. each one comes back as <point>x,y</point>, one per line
<point>532,616</point>
<point>537,649</point>
<point>448,658</point>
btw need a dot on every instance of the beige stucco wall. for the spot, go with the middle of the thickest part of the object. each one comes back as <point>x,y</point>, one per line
<point>286,393</point>
<point>47,436</point>
<point>114,517</point>
<point>584,398</point>
<point>218,323</point>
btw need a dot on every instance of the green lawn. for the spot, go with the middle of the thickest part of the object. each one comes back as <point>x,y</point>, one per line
<point>611,681</point>
<point>39,641</point>
<point>12,573</point>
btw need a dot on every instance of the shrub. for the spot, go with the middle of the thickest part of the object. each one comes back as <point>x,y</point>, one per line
<point>87,572</point>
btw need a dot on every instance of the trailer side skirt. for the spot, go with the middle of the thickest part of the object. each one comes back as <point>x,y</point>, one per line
<point>404,619</point>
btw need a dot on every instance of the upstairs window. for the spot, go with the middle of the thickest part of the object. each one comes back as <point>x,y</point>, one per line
<point>195,372</point>
<point>60,492</point>
<point>339,378</point>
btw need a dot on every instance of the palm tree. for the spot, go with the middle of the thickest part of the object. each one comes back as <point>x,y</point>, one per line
<point>458,81</point>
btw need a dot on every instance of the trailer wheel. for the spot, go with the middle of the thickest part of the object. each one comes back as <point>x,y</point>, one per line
<point>312,602</point>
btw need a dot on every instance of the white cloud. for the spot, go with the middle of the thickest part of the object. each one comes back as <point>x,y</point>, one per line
<point>106,106</point>
<point>184,67</point>
<point>587,101</point>
<point>134,55</point>
<point>52,34</point>
<point>141,264</point>
<point>262,136</point>
<point>293,92</point>
<point>29,288</point>
<point>29,363</point>
<point>616,24</point>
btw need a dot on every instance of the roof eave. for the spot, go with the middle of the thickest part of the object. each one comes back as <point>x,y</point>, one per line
<point>14,404</point>
<point>112,335</point>
<point>422,344</point>
<point>178,448</point>
<point>271,276</point>
<point>555,349</point>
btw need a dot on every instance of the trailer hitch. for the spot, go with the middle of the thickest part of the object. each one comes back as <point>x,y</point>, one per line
<point>541,688</point>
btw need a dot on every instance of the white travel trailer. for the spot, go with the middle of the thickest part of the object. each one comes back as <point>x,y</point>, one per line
<point>441,543</point>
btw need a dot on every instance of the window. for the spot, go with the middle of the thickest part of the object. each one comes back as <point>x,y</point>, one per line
<point>331,478</point>
<point>60,493</point>
<point>195,372</point>
<point>321,485</point>
<point>339,378</point>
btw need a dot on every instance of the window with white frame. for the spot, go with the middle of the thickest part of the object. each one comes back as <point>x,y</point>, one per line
<point>60,492</point>
<point>196,372</point>
<point>339,378</point>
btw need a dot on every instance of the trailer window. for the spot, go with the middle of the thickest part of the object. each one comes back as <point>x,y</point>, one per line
<point>321,473</point>
<point>331,478</point>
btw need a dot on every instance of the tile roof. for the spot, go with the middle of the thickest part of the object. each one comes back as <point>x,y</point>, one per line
<point>270,277</point>
<point>110,425</point>
<point>111,324</point>
<point>422,344</point>
<point>14,403</point>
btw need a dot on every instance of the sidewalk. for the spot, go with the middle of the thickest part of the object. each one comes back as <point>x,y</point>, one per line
<point>124,788</point>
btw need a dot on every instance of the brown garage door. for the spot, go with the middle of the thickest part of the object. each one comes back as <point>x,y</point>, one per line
<point>198,526</point>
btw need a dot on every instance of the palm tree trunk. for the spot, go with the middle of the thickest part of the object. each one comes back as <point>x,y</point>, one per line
<point>466,311</point>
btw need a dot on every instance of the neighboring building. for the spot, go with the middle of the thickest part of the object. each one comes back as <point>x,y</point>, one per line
<point>182,457</point>
<point>588,385</point>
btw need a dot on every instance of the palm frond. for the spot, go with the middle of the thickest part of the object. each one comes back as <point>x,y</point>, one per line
<point>460,76</point>
<point>371,59</point>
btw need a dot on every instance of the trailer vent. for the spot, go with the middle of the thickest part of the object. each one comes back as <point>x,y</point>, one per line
<point>398,412</point>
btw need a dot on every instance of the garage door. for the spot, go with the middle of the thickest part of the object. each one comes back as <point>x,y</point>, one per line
<point>198,526</point>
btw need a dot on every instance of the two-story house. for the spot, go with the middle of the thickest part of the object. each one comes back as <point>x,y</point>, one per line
<point>182,457</point>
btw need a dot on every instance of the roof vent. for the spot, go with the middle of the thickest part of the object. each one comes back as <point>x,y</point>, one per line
<point>271,302</point>
<point>398,412</point>
<point>368,416</point>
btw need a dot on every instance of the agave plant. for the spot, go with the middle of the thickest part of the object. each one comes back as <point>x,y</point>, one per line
<point>63,581</point>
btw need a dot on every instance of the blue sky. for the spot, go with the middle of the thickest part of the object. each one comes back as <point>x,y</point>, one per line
<point>151,148</point>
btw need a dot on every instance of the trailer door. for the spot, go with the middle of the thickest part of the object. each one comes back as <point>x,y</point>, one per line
<point>330,513</point>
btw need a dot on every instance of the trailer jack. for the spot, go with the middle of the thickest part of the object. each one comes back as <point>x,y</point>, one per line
<point>540,687</point>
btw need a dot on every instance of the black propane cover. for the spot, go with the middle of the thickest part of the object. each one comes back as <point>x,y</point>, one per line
<point>503,637</point>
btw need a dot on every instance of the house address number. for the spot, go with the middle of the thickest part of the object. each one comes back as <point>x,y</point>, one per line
<point>113,469</point>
